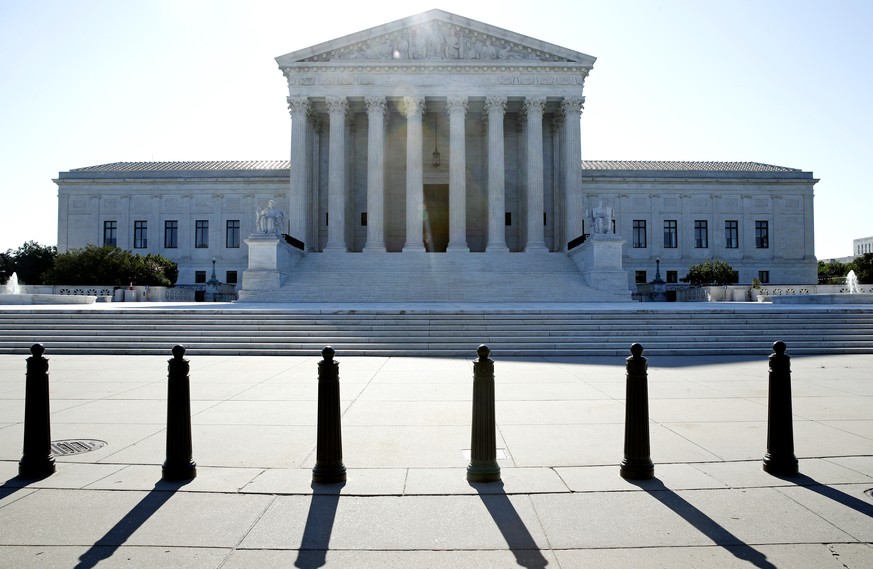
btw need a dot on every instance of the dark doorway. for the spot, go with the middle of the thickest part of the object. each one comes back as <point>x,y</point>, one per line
<point>436,218</point>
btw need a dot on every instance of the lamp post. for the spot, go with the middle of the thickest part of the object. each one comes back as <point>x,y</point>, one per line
<point>213,282</point>
<point>659,287</point>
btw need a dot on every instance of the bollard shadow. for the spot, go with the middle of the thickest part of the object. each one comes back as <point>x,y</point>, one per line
<point>107,545</point>
<point>15,484</point>
<point>838,496</point>
<point>703,523</point>
<point>319,525</point>
<point>518,538</point>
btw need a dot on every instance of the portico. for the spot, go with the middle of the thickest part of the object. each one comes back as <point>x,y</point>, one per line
<point>375,114</point>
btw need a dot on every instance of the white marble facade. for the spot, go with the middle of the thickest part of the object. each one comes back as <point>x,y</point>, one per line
<point>368,113</point>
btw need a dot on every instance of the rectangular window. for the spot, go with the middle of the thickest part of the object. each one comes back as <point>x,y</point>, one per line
<point>671,234</point>
<point>110,233</point>
<point>171,234</point>
<point>762,235</point>
<point>230,277</point>
<point>140,235</point>
<point>672,276</point>
<point>640,277</point>
<point>231,240</point>
<point>201,234</point>
<point>199,277</point>
<point>701,234</point>
<point>639,235</point>
<point>731,234</point>
<point>764,276</point>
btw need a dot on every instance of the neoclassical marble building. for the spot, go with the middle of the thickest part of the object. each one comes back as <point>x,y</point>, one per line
<point>436,134</point>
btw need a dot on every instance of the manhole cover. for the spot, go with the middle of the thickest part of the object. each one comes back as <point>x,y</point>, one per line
<point>75,446</point>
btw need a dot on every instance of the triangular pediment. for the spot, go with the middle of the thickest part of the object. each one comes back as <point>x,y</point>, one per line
<point>435,36</point>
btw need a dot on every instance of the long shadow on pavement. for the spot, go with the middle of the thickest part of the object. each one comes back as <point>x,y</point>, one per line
<point>838,496</point>
<point>319,525</point>
<point>107,545</point>
<point>520,541</point>
<point>703,523</point>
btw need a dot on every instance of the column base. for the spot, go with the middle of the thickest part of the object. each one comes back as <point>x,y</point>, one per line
<point>414,248</point>
<point>335,248</point>
<point>457,248</point>
<point>497,248</point>
<point>179,470</point>
<point>483,472</point>
<point>536,248</point>
<point>637,469</point>
<point>375,248</point>
<point>785,465</point>
<point>329,474</point>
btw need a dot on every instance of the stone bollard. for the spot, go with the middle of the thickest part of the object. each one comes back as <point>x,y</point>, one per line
<point>329,468</point>
<point>780,459</point>
<point>637,463</point>
<point>37,460</point>
<point>483,465</point>
<point>179,464</point>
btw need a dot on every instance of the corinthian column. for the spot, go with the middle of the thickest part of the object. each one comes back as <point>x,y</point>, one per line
<point>298,107</point>
<point>535,204</point>
<point>336,175</point>
<point>574,212</point>
<point>495,107</point>
<point>413,108</point>
<point>375,174</point>
<point>457,107</point>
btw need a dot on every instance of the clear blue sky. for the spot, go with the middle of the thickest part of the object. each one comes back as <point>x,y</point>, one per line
<point>780,82</point>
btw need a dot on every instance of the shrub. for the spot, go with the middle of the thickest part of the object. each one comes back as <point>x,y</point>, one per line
<point>712,272</point>
<point>109,265</point>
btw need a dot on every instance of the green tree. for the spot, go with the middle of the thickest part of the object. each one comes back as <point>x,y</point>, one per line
<point>832,272</point>
<point>863,267</point>
<point>712,272</point>
<point>29,262</point>
<point>109,265</point>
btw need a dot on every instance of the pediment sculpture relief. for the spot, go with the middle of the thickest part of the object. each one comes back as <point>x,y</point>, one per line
<point>435,41</point>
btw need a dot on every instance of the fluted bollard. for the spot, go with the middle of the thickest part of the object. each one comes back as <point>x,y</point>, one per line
<point>37,460</point>
<point>329,468</point>
<point>483,465</point>
<point>637,463</point>
<point>180,464</point>
<point>780,459</point>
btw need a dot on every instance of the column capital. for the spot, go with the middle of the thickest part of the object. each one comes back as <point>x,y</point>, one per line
<point>412,106</point>
<point>495,105</point>
<point>573,105</point>
<point>456,104</point>
<point>298,105</point>
<point>375,105</point>
<point>337,105</point>
<point>534,104</point>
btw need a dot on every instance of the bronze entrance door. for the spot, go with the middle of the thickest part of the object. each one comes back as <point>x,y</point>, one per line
<point>436,218</point>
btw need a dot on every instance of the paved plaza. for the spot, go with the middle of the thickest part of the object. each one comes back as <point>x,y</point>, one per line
<point>406,440</point>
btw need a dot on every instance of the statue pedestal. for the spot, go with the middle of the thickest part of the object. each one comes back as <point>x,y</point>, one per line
<point>599,261</point>
<point>270,261</point>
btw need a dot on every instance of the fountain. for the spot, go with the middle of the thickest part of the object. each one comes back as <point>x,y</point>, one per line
<point>10,293</point>
<point>851,283</point>
<point>11,286</point>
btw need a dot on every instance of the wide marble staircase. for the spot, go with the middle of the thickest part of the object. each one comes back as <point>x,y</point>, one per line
<point>435,277</point>
<point>523,331</point>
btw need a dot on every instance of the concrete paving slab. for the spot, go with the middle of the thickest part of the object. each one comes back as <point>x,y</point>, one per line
<point>146,477</point>
<point>409,413</point>
<point>846,506</point>
<point>608,478</point>
<point>398,523</point>
<point>64,557</point>
<point>255,446</point>
<point>282,559</point>
<point>359,482</point>
<point>453,481</point>
<point>250,413</point>
<point>862,428</point>
<point>559,412</point>
<point>117,437</point>
<point>814,556</point>
<point>751,474</point>
<point>397,446</point>
<point>111,518</point>
<point>706,410</point>
<point>860,464</point>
